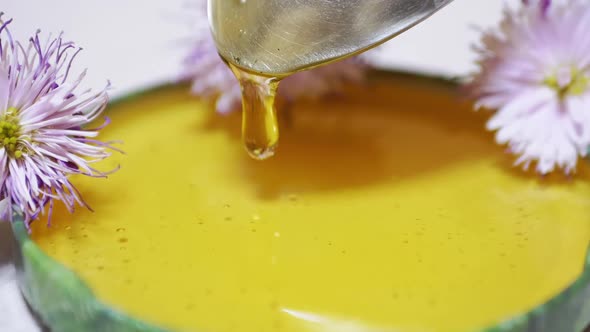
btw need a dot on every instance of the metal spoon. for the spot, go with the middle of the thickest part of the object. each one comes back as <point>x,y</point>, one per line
<point>279,37</point>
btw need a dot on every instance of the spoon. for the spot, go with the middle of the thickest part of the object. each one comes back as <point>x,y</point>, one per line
<point>264,41</point>
<point>276,38</point>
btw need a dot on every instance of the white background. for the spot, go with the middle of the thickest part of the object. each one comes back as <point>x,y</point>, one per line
<point>138,43</point>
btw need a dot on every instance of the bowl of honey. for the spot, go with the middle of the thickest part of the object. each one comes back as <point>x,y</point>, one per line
<point>389,208</point>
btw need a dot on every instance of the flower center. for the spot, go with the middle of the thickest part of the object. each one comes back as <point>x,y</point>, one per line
<point>570,81</point>
<point>10,132</point>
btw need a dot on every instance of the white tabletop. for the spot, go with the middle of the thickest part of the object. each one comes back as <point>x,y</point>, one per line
<point>139,43</point>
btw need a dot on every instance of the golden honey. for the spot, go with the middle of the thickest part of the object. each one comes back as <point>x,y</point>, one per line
<point>260,128</point>
<point>388,210</point>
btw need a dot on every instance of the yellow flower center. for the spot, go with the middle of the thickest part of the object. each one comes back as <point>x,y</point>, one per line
<point>576,83</point>
<point>10,133</point>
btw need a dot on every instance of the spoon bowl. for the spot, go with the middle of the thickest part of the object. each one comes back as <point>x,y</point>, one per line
<point>280,37</point>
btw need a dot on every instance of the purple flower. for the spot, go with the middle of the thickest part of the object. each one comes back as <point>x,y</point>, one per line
<point>211,78</point>
<point>41,119</point>
<point>535,71</point>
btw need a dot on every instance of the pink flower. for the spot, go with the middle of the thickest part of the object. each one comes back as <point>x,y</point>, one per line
<point>211,78</point>
<point>41,118</point>
<point>535,72</point>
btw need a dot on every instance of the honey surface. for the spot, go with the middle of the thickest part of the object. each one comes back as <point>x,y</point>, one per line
<point>388,210</point>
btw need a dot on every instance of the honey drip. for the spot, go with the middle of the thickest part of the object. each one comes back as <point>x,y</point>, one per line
<point>260,130</point>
